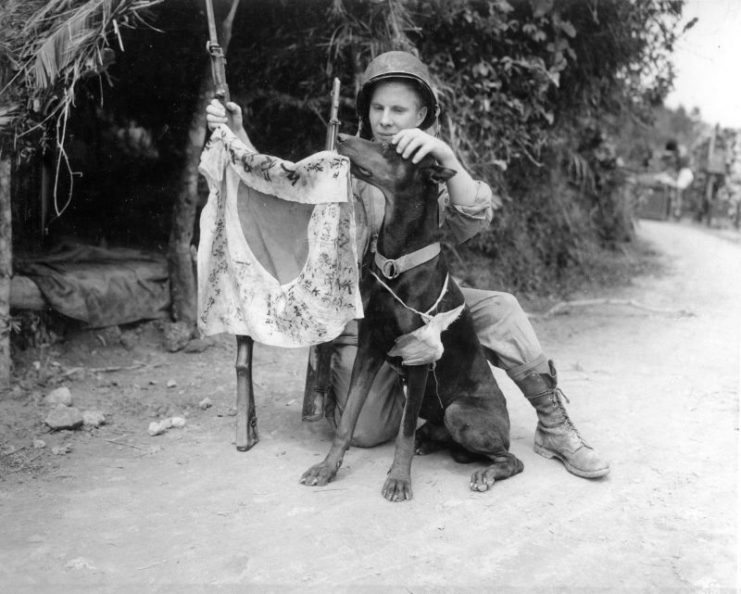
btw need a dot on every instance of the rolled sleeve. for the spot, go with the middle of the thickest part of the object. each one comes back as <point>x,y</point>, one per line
<point>464,222</point>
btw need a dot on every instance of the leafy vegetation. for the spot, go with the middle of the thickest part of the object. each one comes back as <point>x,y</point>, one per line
<point>533,94</point>
<point>46,48</point>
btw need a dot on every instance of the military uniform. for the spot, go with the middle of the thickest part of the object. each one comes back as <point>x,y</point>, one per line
<point>503,328</point>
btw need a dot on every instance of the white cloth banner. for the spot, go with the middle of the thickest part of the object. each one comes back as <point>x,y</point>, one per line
<point>277,257</point>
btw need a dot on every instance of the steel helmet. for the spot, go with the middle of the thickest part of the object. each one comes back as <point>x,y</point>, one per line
<point>396,65</point>
<point>674,150</point>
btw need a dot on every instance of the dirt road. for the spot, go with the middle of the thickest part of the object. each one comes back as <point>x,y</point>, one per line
<point>655,391</point>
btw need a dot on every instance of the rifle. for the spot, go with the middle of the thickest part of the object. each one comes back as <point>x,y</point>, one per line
<point>317,404</point>
<point>334,124</point>
<point>218,61</point>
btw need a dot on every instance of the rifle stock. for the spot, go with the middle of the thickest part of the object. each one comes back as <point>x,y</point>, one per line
<point>317,403</point>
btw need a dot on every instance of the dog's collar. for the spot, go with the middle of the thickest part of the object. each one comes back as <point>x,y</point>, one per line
<point>393,268</point>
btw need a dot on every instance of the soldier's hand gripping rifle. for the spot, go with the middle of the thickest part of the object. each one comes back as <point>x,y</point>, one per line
<point>317,404</point>
<point>218,61</point>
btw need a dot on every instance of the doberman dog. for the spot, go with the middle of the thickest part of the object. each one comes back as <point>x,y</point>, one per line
<point>458,397</point>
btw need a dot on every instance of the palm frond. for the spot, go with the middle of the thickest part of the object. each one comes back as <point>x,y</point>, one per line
<point>580,171</point>
<point>51,45</point>
<point>63,45</point>
<point>74,38</point>
<point>7,113</point>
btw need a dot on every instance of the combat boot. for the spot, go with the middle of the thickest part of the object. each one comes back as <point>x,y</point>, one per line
<point>556,436</point>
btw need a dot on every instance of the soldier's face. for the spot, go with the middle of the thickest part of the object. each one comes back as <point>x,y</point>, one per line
<point>394,106</point>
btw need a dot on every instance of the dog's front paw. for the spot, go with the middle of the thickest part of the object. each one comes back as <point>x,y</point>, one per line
<point>483,479</point>
<point>397,489</point>
<point>318,475</point>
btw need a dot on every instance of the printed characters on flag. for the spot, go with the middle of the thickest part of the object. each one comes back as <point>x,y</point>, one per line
<point>277,257</point>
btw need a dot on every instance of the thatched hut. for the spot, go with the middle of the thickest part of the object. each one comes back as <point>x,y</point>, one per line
<point>102,123</point>
<point>102,118</point>
<point>80,166</point>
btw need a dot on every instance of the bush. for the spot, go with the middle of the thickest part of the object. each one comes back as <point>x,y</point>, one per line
<point>531,93</point>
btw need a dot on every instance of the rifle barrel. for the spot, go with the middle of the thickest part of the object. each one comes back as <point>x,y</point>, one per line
<point>218,69</point>
<point>211,23</point>
<point>334,123</point>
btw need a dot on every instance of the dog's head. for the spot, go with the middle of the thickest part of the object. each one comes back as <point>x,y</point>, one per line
<point>380,165</point>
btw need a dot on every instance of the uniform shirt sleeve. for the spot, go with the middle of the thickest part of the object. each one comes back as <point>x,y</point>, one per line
<point>464,222</point>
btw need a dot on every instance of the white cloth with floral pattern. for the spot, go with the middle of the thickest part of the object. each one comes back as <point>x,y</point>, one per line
<point>277,256</point>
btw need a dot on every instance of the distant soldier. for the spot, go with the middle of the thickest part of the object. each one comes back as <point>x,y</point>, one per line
<point>677,175</point>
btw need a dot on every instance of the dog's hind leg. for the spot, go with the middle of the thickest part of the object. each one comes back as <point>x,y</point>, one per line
<point>482,427</point>
<point>433,438</point>
<point>398,485</point>
<point>506,464</point>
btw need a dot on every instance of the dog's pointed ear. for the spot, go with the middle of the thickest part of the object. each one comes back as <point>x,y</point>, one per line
<point>438,173</point>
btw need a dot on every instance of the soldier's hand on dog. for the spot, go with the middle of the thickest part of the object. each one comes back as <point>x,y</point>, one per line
<point>417,144</point>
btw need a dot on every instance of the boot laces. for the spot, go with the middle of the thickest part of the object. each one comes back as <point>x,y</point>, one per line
<point>557,397</point>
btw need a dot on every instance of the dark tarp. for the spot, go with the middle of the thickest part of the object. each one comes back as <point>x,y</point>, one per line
<point>101,286</point>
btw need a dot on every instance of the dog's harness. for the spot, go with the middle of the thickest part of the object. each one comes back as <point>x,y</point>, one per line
<point>426,317</point>
<point>409,346</point>
<point>423,345</point>
<point>392,268</point>
<point>434,324</point>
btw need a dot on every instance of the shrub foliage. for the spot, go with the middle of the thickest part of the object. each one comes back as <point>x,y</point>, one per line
<point>531,93</point>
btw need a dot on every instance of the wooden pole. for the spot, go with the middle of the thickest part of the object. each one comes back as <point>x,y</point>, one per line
<point>183,287</point>
<point>317,403</point>
<point>710,179</point>
<point>6,270</point>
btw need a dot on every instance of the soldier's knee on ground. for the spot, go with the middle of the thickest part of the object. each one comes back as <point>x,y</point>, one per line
<point>368,437</point>
<point>381,414</point>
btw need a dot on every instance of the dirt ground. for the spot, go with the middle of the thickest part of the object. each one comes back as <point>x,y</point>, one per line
<point>653,386</point>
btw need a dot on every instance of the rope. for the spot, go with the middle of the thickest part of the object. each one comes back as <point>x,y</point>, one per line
<point>433,366</point>
<point>426,317</point>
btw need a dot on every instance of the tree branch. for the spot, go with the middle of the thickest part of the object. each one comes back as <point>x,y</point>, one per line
<point>563,306</point>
